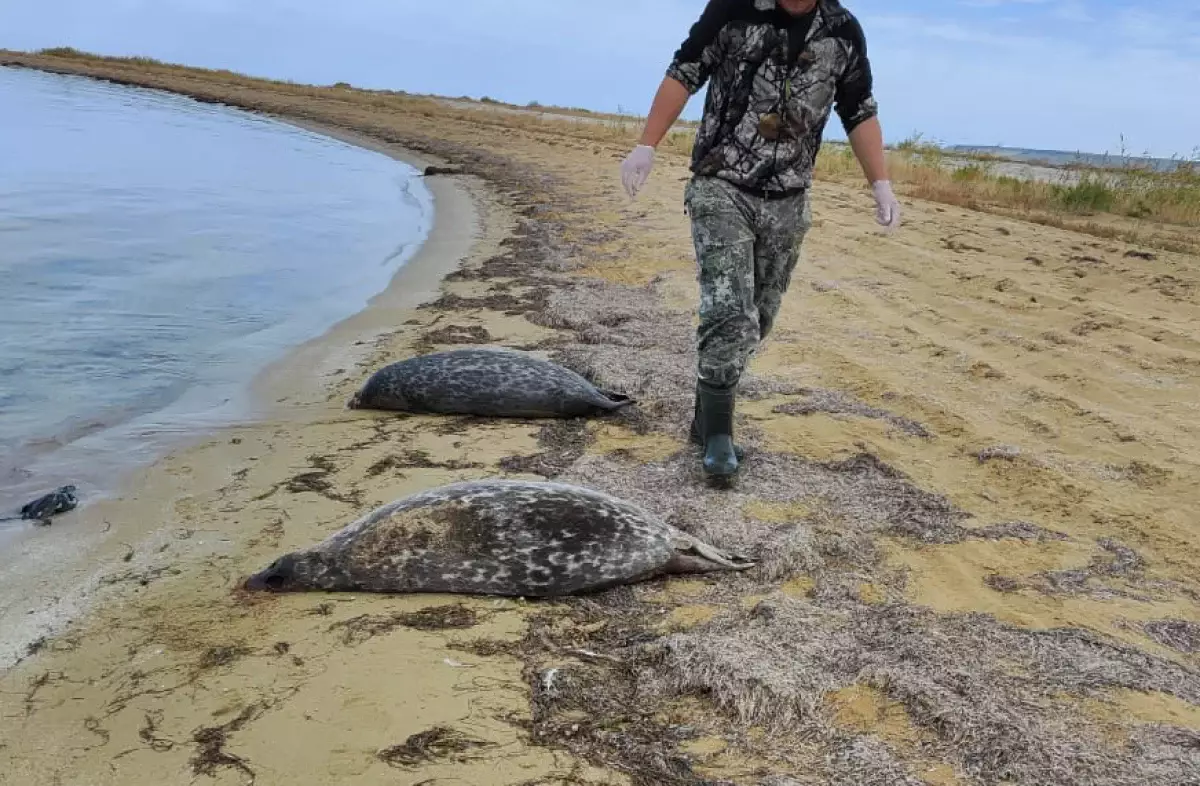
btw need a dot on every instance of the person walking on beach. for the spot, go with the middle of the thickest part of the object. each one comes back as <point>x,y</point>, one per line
<point>777,69</point>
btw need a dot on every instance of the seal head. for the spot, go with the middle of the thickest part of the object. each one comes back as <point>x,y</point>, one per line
<point>299,572</point>
<point>377,393</point>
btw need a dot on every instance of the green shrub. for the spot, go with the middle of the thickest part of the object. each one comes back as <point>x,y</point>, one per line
<point>1090,194</point>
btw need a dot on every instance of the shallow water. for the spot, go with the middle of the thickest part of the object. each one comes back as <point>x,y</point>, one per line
<point>155,252</point>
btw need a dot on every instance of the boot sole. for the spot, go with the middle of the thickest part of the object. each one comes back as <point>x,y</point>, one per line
<point>720,481</point>
<point>694,438</point>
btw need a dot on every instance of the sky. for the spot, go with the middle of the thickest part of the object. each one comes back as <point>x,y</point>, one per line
<point>1074,75</point>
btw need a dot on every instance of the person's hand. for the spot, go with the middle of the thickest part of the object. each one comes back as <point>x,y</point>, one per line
<point>636,168</point>
<point>887,208</point>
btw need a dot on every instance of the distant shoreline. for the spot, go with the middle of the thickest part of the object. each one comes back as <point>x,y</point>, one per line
<point>1069,159</point>
<point>1039,157</point>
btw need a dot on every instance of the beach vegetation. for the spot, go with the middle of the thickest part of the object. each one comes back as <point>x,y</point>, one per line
<point>1090,194</point>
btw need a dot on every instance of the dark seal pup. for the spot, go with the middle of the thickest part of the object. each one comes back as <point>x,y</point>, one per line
<point>496,537</point>
<point>485,381</point>
<point>42,509</point>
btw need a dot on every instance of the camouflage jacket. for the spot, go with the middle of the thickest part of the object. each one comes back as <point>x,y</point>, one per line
<point>774,80</point>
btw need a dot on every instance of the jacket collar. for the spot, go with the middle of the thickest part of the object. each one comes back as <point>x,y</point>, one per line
<point>830,14</point>
<point>828,8</point>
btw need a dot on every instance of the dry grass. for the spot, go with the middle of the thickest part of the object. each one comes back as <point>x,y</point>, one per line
<point>990,698</point>
<point>995,702</point>
<point>991,703</point>
<point>1138,205</point>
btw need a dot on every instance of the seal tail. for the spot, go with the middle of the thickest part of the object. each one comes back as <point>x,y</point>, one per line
<point>355,401</point>
<point>611,401</point>
<point>695,556</point>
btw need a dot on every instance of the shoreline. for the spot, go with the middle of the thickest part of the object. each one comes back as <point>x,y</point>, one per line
<point>298,375</point>
<point>458,226</point>
<point>966,488</point>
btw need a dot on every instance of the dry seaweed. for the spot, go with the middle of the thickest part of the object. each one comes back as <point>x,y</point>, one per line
<point>1017,530</point>
<point>987,697</point>
<point>994,452</point>
<point>142,577</point>
<point>215,657</point>
<point>1117,561</point>
<point>417,459</point>
<point>562,441</point>
<point>211,755</point>
<point>149,733</point>
<point>836,402</point>
<point>453,616</point>
<point>438,743</point>
<point>455,334</point>
<point>531,301</point>
<point>601,313</point>
<point>93,725</point>
<point>315,481</point>
<point>953,674</point>
<point>487,648</point>
<point>1179,635</point>
<point>596,717</point>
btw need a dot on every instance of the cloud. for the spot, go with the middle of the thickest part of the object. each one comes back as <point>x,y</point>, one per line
<point>1001,3</point>
<point>1073,12</point>
<point>1027,78</point>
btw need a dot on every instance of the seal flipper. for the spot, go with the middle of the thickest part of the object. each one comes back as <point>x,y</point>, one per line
<point>695,556</point>
<point>611,400</point>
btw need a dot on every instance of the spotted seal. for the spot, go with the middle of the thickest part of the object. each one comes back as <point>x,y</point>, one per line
<point>485,381</point>
<point>496,537</point>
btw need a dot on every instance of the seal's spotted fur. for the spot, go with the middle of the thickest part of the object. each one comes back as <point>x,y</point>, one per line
<point>496,537</point>
<point>484,381</point>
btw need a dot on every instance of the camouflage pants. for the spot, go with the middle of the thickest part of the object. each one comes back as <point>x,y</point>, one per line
<point>746,249</point>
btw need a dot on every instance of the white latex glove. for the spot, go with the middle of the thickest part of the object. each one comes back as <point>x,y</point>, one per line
<point>636,168</point>
<point>887,208</point>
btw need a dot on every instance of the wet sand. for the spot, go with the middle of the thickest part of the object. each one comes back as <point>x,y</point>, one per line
<point>974,440</point>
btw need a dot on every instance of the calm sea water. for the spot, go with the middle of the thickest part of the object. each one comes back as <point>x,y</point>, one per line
<point>155,253</point>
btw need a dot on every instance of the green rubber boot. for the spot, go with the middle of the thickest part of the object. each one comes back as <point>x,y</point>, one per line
<point>696,434</point>
<point>716,425</point>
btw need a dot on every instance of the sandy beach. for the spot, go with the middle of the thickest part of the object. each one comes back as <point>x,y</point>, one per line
<point>972,453</point>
